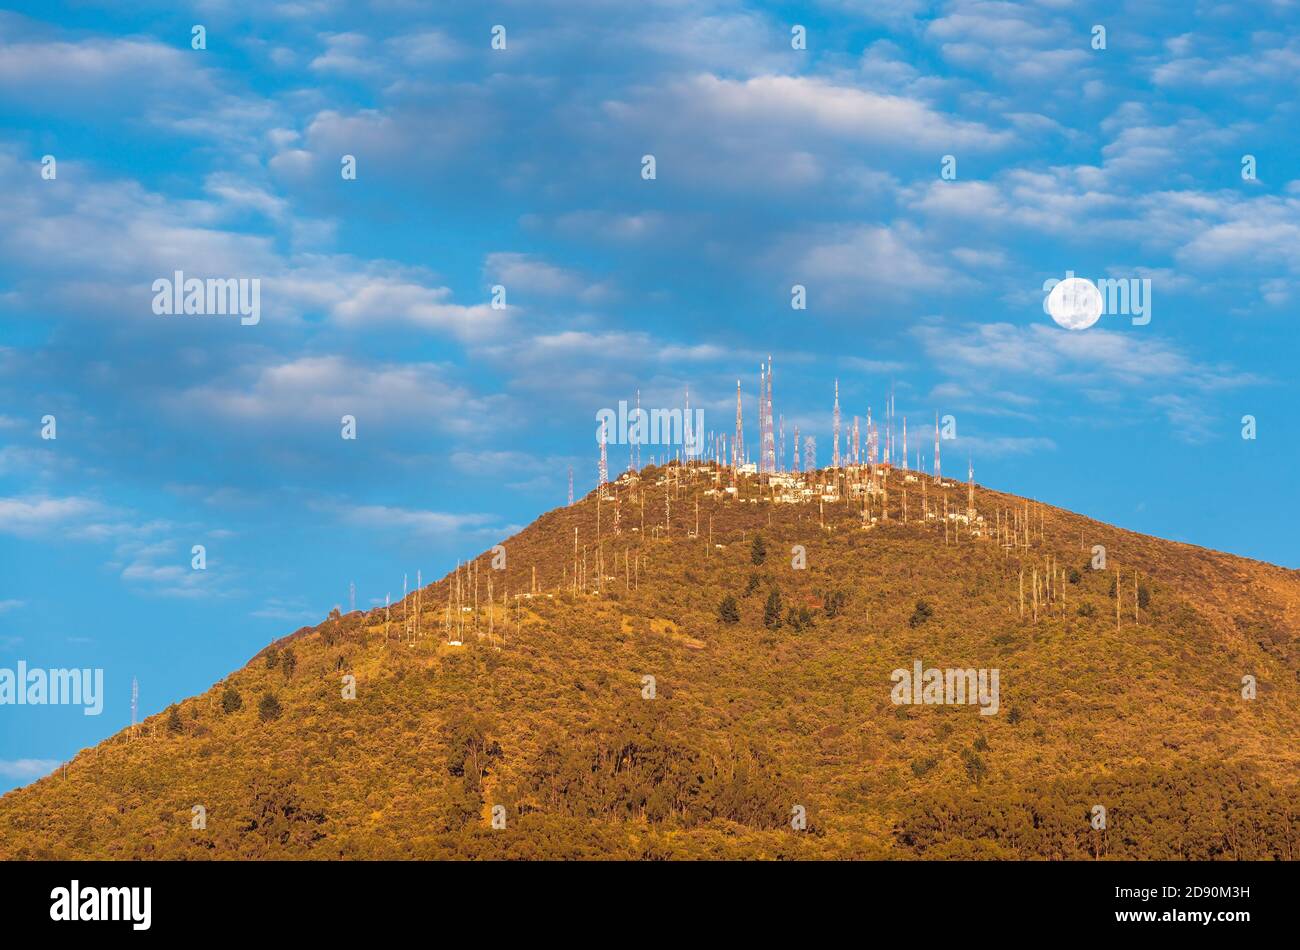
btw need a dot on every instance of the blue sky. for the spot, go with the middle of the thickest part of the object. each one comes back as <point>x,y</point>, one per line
<point>522,167</point>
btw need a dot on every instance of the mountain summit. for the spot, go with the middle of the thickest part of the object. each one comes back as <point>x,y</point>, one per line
<point>851,663</point>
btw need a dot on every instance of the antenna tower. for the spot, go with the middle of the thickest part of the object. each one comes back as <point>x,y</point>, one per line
<point>603,468</point>
<point>769,435</point>
<point>970,489</point>
<point>686,428</point>
<point>938,477</point>
<point>835,454</point>
<point>738,443</point>
<point>781,464</point>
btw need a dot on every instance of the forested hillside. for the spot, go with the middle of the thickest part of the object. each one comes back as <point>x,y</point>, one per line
<point>694,693</point>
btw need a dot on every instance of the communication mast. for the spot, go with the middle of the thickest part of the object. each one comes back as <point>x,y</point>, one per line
<point>603,468</point>
<point>871,440</point>
<point>686,428</point>
<point>889,429</point>
<point>781,464</point>
<point>835,452</point>
<point>738,443</point>
<point>938,477</point>
<point>768,434</point>
<point>970,490</point>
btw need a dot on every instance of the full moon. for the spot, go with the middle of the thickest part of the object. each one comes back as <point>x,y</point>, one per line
<point>1075,303</point>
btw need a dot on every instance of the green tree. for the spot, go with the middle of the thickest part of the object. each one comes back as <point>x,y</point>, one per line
<point>277,818</point>
<point>800,619</point>
<point>728,612</point>
<point>331,628</point>
<point>976,767</point>
<point>272,658</point>
<point>231,701</point>
<point>772,610</point>
<point>752,584</point>
<point>288,663</point>
<point>174,724</point>
<point>921,614</point>
<point>833,602</point>
<point>269,707</point>
<point>470,748</point>
<point>758,553</point>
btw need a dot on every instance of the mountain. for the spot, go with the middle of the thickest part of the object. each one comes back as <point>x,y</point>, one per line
<point>696,695</point>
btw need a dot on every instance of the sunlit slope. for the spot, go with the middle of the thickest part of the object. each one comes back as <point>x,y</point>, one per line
<point>627,719</point>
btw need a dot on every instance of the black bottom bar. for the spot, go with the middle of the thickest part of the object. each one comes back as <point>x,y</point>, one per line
<point>912,901</point>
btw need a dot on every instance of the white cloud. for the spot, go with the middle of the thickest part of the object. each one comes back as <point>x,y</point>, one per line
<point>1102,366</point>
<point>1052,353</point>
<point>599,226</point>
<point>987,447</point>
<point>789,104</point>
<point>347,53</point>
<point>414,522</point>
<point>383,300</point>
<point>44,516</point>
<point>117,238</point>
<point>98,73</point>
<point>854,260</point>
<point>529,274</point>
<point>1257,70</point>
<point>1025,49</point>
<point>288,611</point>
<point>322,389</point>
<point>28,770</point>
